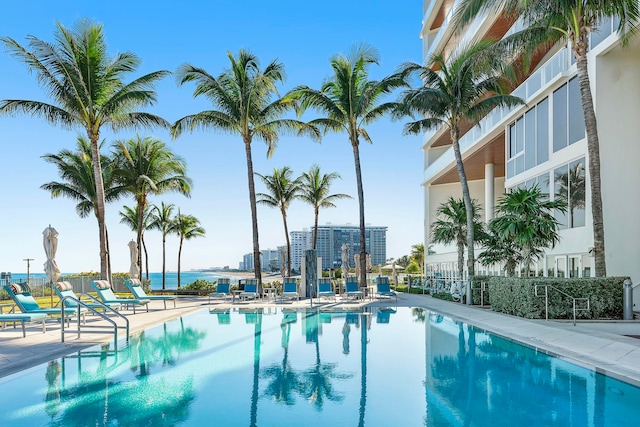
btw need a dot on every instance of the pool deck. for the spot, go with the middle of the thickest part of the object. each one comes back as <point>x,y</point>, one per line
<point>602,346</point>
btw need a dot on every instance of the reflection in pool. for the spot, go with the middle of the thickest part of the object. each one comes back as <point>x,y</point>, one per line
<point>274,367</point>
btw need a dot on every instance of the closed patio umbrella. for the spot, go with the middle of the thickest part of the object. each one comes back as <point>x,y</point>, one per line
<point>50,243</point>
<point>134,272</point>
<point>345,261</point>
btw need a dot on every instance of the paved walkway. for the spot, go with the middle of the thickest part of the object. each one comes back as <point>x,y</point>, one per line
<point>602,346</point>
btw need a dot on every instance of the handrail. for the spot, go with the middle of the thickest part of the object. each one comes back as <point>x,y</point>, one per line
<point>96,312</point>
<point>546,300</point>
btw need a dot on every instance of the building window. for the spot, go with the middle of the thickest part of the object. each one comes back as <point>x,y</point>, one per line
<point>529,140</point>
<point>568,118</point>
<point>569,183</point>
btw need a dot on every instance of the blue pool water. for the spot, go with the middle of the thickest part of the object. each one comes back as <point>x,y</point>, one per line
<point>278,367</point>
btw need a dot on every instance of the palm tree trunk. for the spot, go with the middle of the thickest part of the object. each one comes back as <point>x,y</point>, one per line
<point>363,370</point>
<point>164,258</point>
<point>179,256</point>
<point>466,196</point>
<point>100,209</point>
<point>593,148</point>
<point>146,256</point>
<point>257,338</point>
<point>461,259</point>
<point>286,233</point>
<point>315,230</point>
<point>254,214</point>
<point>141,206</point>
<point>363,240</point>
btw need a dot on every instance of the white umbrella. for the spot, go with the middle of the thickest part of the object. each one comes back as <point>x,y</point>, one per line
<point>50,243</point>
<point>356,261</point>
<point>133,254</point>
<point>345,261</point>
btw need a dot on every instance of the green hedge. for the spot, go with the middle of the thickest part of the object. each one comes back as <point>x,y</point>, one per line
<point>513,295</point>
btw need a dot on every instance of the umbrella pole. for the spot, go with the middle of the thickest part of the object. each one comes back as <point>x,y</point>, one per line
<point>51,283</point>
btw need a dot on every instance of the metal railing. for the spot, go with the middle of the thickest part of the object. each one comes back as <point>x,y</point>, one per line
<point>546,301</point>
<point>102,315</point>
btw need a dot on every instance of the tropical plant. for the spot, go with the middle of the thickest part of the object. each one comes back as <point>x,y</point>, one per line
<point>247,104</point>
<point>147,166</point>
<point>450,226</point>
<point>187,227</point>
<point>463,87</point>
<point>351,101</point>
<point>88,91</point>
<point>162,220</point>
<point>523,227</point>
<point>129,216</point>
<point>571,187</point>
<point>548,21</point>
<point>314,189</point>
<point>417,254</point>
<point>282,190</point>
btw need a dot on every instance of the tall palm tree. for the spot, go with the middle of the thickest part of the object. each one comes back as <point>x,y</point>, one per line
<point>76,170</point>
<point>147,166</point>
<point>88,90</point>
<point>524,225</point>
<point>417,254</point>
<point>450,226</point>
<point>350,101</point>
<point>314,189</point>
<point>569,20</point>
<point>162,220</point>
<point>246,102</point>
<point>129,216</point>
<point>463,87</point>
<point>282,190</point>
<point>187,227</point>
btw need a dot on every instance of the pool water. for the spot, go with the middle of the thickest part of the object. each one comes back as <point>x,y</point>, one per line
<point>279,367</point>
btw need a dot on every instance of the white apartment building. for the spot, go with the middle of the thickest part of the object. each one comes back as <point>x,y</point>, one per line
<point>544,142</point>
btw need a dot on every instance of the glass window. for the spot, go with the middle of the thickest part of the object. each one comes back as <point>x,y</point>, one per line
<point>561,181</point>
<point>519,135</point>
<point>560,118</point>
<point>530,139</point>
<point>577,189</point>
<point>512,141</point>
<point>576,116</point>
<point>542,132</point>
<point>519,164</point>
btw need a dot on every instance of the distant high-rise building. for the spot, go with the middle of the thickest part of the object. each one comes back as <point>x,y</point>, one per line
<point>300,242</point>
<point>270,260</point>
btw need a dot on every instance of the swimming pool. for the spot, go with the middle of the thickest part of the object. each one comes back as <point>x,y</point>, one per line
<point>278,367</point>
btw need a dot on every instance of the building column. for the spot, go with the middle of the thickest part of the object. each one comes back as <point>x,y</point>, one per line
<point>489,192</point>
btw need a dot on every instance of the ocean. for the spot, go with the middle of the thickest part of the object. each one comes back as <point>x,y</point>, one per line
<point>171,278</point>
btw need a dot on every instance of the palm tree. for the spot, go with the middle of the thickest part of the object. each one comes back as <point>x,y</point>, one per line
<point>351,101</point>
<point>147,166</point>
<point>571,187</point>
<point>314,189</point>
<point>549,21</point>
<point>76,170</point>
<point>187,227</point>
<point>524,225</point>
<point>88,91</point>
<point>417,254</point>
<point>247,104</point>
<point>162,220</point>
<point>465,87</point>
<point>282,190</point>
<point>129,216</point>
<point>450,226</point>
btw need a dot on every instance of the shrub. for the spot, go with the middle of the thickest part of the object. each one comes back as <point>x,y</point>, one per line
<point>201,285</point>
<point>517,296</point>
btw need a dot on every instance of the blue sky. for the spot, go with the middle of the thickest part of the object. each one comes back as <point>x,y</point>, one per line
<point>303,36</point>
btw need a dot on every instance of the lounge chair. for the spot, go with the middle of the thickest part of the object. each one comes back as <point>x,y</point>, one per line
<point>23,318</point>
<point>384,315</point>
<point>250,289</point>
<point>65,290</point>
<point>21,296</point>
<point>456,291</point>
<point>135,286</point>
<point>105,293</point>
<point>324,288</point>
<point>290,289</point>
<point>223,289</point>
<point>352,289</point>
<point>224,315</point>
<point>383,289</point>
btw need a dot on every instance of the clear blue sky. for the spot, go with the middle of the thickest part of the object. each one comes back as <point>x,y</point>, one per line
<point>302,35</point>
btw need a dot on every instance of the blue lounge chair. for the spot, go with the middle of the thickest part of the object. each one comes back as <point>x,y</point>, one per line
<point>23,318</point>
<point>290,289</point>
<point>383,289</point>
<point>384,315</point>
<point>224,315</point>
<point>103,288</point>
<point>250,289</point>
<point>352,289</point>
<point>65,290</point>
<point>21,296</point>
<point>324,288</point>
<point>135,286</point>
<point>223,289</point>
